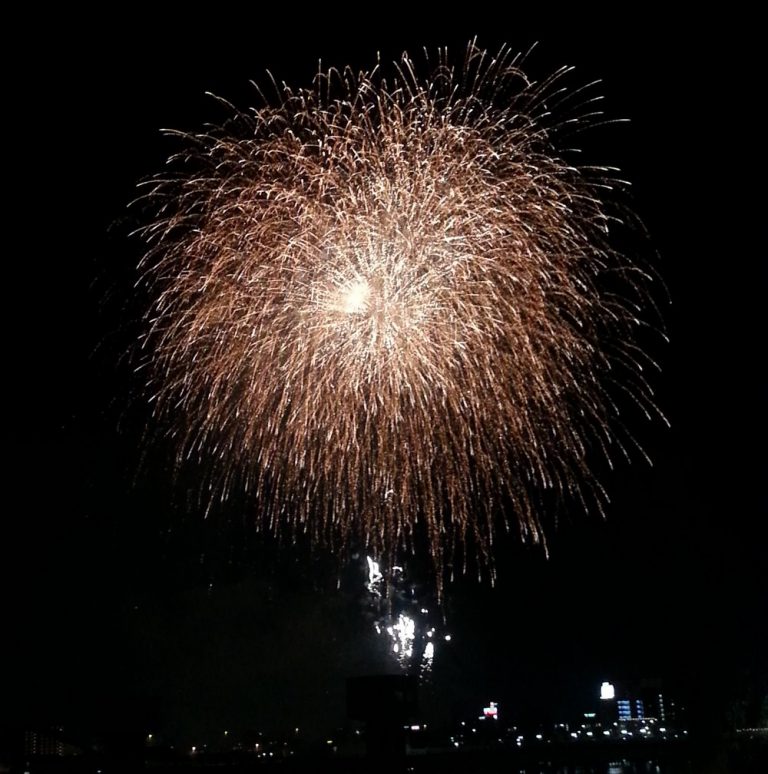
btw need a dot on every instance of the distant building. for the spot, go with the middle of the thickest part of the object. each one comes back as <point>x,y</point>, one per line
<point>641,700</point>
<point>46,744</point>
<point>42,744</point>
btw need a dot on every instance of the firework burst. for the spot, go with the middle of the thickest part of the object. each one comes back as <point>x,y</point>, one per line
<point>384,307</point>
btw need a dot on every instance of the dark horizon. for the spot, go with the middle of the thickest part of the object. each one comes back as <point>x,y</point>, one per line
<point>127,608</point>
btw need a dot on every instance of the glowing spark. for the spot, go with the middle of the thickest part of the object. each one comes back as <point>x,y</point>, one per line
<point>403,630</point>
<point>403,633</point>
<point>375,577</point>
<point>389,310</point>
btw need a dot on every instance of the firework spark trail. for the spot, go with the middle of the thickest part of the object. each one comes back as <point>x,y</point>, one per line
<point>387,306</point>
<point>400,615</point>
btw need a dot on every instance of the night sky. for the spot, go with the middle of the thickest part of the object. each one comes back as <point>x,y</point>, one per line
<point>123,608</point>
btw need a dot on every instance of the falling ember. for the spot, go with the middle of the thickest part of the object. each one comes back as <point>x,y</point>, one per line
<point>400,616</point>
<point>388,307</point>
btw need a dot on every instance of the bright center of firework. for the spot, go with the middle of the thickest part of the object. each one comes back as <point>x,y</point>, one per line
<point>356,297</point>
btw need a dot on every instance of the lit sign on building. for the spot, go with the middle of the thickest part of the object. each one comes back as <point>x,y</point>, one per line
<point>491,711</point>
<point>607,691</point>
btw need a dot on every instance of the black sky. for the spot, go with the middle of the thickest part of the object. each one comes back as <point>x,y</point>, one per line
<point>123,608</point>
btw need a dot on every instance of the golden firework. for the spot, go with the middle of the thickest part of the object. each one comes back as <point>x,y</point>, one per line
<point>383,307</point>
